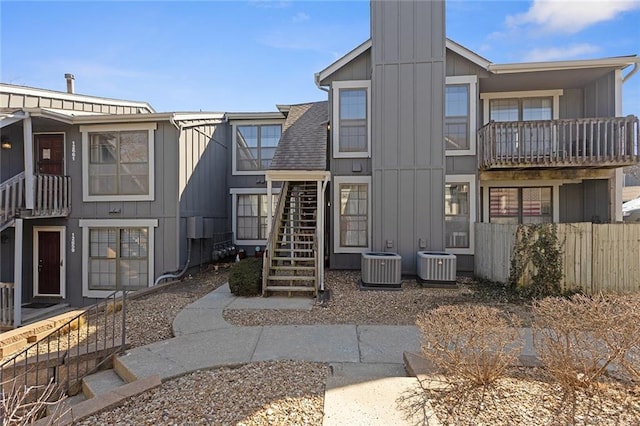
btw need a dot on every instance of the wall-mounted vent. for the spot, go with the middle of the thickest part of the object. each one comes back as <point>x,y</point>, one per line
<point>436,267</point>
<point>381,269</point>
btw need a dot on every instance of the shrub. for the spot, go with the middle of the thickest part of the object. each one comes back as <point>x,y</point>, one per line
<point>581,338</point>
<point>245,278</point>
<point>23,405</point>
<point>472,343</point>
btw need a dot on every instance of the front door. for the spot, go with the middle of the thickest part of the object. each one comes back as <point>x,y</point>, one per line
<point>50,154</point>
<point>49,261</point>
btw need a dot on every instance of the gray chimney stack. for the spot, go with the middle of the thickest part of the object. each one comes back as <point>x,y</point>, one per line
<point>70,78</point>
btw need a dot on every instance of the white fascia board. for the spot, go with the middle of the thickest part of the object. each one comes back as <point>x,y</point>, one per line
<point>286,175</point>
<point>254,115</point>
<point>467,54</point>
<point>618,62</point>
<point>14,117</point>
<point>24,90</point>
<point>186,116</point>
<point>122,118</point>
<point>343,61</point>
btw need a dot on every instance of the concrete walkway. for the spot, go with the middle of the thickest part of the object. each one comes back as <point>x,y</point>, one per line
<point>366,360</point>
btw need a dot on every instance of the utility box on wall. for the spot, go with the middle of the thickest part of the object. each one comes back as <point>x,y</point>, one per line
<point>195,227</point>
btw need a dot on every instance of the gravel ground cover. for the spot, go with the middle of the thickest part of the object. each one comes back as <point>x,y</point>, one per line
<point>292,392</point>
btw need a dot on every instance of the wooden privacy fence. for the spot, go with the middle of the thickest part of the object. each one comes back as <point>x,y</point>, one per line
<point>595,257</point>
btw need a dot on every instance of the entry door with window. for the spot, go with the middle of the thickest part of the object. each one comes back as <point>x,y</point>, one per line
<point>50,154</point>
<point>49,262</point>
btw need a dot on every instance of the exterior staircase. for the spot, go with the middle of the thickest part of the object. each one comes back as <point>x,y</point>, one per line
<point>292,258</point>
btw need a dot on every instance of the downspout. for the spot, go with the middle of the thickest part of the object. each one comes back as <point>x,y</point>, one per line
<point>632,72</point>
<point>322,211</point>
<point>316,79</point>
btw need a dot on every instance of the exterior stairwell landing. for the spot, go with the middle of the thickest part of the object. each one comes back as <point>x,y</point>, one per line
<point>291,262</point>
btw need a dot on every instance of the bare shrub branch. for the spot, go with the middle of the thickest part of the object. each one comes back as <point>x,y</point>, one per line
<point>583,338</point>
<point>21,405</point>
<point>474,344</point>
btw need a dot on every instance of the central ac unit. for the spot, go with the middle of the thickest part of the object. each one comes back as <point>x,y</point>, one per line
<point>437,268</point>
<point>381,270</point>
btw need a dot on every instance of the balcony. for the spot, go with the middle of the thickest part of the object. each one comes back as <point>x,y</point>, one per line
<point>52,198</point>
<point>580,143</point>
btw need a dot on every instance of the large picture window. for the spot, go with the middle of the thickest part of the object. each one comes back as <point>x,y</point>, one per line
<point>520,205</point>
<point>118,162</point>
<point>353,206</point>
<point>351,118</point>
<point>255,146</point>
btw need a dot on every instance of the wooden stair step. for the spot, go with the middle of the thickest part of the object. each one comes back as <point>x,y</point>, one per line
<point>290,288</point>
<point>291,278</point>
<point>292,268</point>
<point>296,259</point>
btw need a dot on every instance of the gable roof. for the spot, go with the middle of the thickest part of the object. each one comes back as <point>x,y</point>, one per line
<point>303,144</point>
<point>619,62</point>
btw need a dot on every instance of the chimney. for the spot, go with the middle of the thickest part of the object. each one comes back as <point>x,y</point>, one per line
<point>70,78</point>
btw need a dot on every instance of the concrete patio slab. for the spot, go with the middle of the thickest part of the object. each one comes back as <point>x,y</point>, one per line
<point>273,302</point>
<point>387,343</point>
<point>309,343</point>
<point>361,369</point>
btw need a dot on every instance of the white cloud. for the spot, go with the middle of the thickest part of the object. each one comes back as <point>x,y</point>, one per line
<point>300,17</point>
<point>570,16</point>
<point>561,53</point>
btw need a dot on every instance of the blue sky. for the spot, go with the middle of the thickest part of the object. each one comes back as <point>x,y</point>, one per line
<point>251,55</point>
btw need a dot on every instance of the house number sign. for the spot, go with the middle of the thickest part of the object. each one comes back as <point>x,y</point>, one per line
<point>73,150</point>
<point>73,242</point>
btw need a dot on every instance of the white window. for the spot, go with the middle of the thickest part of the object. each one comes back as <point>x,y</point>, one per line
<point>351,119</point>
<point>118,162</point>
<point>520,205</point>
<point>460,115</point>
<point>460,213</point>
<point>521,106</point>
<point>249,209</point>
<point>118,254</point>
<point>254,146</point>
<point>352,214</point>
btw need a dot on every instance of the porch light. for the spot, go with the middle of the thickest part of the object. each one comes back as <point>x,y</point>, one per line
<point>6,143</point>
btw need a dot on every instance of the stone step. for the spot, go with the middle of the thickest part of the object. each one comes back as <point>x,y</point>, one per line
<point>100,383</point>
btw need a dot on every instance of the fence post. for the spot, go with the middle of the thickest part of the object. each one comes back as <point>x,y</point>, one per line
<point>124,320</point>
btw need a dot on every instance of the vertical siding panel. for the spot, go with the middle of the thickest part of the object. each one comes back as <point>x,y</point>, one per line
<point>423,124</point>
<point>406,142</point>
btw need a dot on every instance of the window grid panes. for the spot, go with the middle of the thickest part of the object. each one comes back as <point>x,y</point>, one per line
<point>456,125</point>
<point>354,215</point>
<point>353,135</point>
<point>457,215</point>
<point>119,163</point>
<point>251,216</point>
<point>520,205</point>
<point>256,145</point>
<point>118,258</point>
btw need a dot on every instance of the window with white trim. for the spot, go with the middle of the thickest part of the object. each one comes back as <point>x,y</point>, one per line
<point>352,201</point>
<point>351,119</point>
<point>251,216</point>
<point>118,162</point>
<point>460,213</point>
<point>117,254</point>
<point>255,145</point>
<point>460,115</point>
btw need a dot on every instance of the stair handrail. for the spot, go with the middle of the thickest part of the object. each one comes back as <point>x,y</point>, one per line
<point>266,260</point>
<point>10,204</point>
<point>56,358</point>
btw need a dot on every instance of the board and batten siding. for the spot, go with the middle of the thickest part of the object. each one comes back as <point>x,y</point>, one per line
<point>408,59</point>
<point>595,257</point>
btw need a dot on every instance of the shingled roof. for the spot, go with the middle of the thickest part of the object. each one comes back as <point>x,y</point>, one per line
<point>303,144</point>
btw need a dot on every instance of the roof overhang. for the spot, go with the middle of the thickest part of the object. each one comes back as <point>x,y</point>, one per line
<point>254,115</point>
<point>32,91</point>
<point>286,175</point>
<point>615,62</point>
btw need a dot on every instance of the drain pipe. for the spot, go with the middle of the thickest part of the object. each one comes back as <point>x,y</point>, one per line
<point>631,73</point>
<point>177,274</point>
<point>324,187</point>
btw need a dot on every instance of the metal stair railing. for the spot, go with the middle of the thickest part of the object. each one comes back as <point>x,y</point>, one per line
<point>273,235</point>
<point>72,351</point>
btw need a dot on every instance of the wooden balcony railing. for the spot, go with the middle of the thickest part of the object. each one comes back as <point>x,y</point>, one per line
<point>581,142</point>
<point>6,306</point>
<point>52,197</point>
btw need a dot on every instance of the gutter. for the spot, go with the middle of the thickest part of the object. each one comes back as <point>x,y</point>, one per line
<point>632,72</point>
<point>316,80</point>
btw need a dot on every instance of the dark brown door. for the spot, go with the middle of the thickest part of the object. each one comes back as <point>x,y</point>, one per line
<point>49,262</point>
<point>50,154</point>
